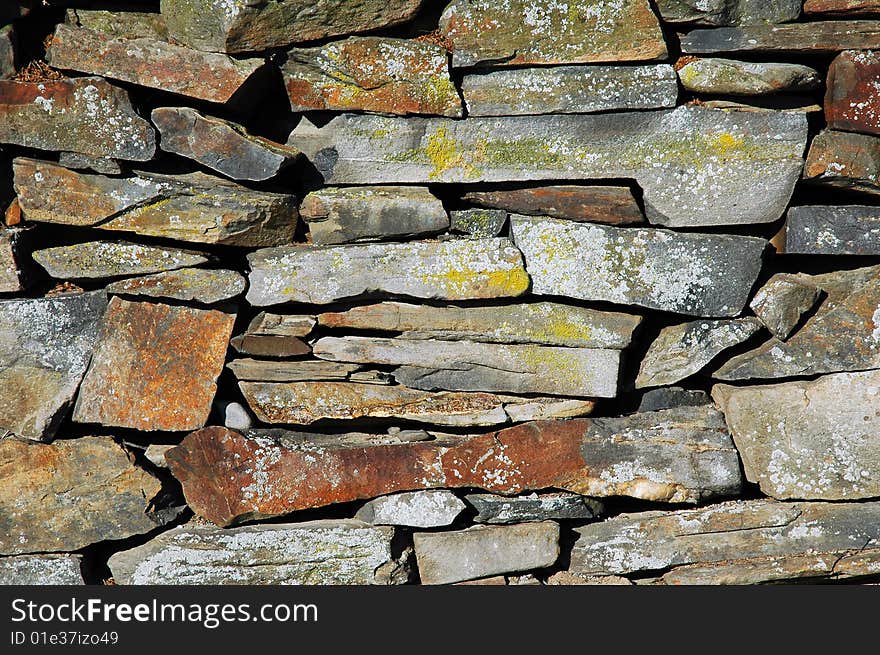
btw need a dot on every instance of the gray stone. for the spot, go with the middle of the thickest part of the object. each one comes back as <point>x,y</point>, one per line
<point>695,274</point>
<point>78,162</point>
<point>746,78</point>
<point>345,214</point>
<point>45,347</point>
<point>478,223</point>
<point>41,570</point>
<point>7,52</point>
<point>128,24</point>
<point>729,12</point>
<point>797,38</point>
<point>237,417</point>
<point>696,166</point>
<point>782,302</point>
<point>340,552</point>
<point>683,350</point>
<point>445,557</point>
<point>566,578</point>
<point>155,453</point>
<point>570,90</point>
<point>533,507</point>
<point>290,371</point>
<point>444,270</point>
<point>670,397</point>
<point>202,285</point>
<point>418,509</point>
<point>99,259</point>
<point>842,230</point>
<point>10,274</point>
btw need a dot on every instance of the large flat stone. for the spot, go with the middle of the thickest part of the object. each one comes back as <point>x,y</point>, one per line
<point>729,12</point>
<point>746,78</point>
<point>814,37</point>
<point>155,367</point>
<point>41,570</point>
<point>445,270</point>
<point>696,166</point>
<point>418,509</point>
<point>595,204</point>
<point>533,507</point>
<point>98,259</point>
<point>203,285</point>
<point>845,160</point>
<point>852,101</point>
<point>695,274</point>
<point>833,230</point>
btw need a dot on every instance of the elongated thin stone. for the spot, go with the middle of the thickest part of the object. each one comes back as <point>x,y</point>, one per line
<point>729,12</point>
<point>418,509</point>
<point>830,230</point>
<point>746,78</point>
<point>97,259</point>
<point>596,204</point>
<point>260,370</point>
<point>843,8</point>
<point>206,286</point>
<point>798,38</point>
<point>533,507</point>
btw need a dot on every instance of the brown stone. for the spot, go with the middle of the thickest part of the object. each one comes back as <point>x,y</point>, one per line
<point>598,204</point>
<point>270,346</point>
<point>846,160</point>
<point>155,367</point>
<point>852,99</point>
<point>261,370</point>
<point>10,281</point>
<point>842,8</point>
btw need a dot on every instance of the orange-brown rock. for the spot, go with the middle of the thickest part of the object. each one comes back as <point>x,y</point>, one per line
<point>852,99</point>
<point>598,204</point>
<point>842,8</point>
<point>844,159</point>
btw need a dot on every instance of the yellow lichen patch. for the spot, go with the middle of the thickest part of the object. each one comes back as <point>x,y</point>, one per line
<point>464,281</point>
<point>726,142</point>
<point>443,152</point>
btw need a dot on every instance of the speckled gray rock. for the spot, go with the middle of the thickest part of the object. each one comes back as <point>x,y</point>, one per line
<point>10,274</point>
<point>782,301</point>
<point>695,274</point>
<point>841,230</point>
<point>418,509</point>
<point>669,397</point>
<point>445,270</point>
<point>533,507</point>
<point>7,52</point>
<point>570,90</point>
<point>798,38</point>
<point>729,12</point>
<point>478,222</point>
<point>445,557</point>
<point>203,285</point>
<point>45,347</point>
<point>345,214</point>
<point>41,570</point>
<point>98,259</point>
<point>683,350</point>
<point>814,440</point>
<point>696,166</point>
<point>314,553</point>
<point>746,78</point>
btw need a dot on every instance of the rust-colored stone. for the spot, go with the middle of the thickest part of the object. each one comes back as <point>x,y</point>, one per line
<point>155,367</point>
<point>852,99</point>
<point>13,214</point>
<point>599,204</point>
<point>844,159</point>
<point>842,8</point>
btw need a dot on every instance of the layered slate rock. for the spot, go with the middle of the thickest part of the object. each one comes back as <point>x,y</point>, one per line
<point>852,101</point>
<point>782,302</point>
<point>596,204</point>
<point>193,207</point>
<point>446,557</point>
<point>304,403</point>
<point>729,12</point>
<point>680,351</point>
<point>815,37</point>
<point>155,367</point>
<point>220,145</point>
<point>478,222</point>
<point>845,8</point>
<point>151,63</point>
<point>696,166</point>
<point>314,553</point>
<point>762,533</point>
<point>841,336</point>
<point>445,270</point>
<point>814,440</point>
<point>79,162</point>
<point>100,259</point>
<point>825,230</point>
<point>846,160</point>
<point>682,455</point>
<point>746,78</point>
<point>483,32</point>
<point>418,509</point>
<point>533,507</point>
<point>431,364</point>
<point>260,370</point>
<point>246,26</point>
<point>10,274</point>
<point>695,274</point>
<point>207,286</point>
<point>553,324</point>
<point>87,115</point>
<point>389,76</point>
<point>45,348</point>
<point>345,214</point>
<point>670,397</point>
<point>50,505</point>
<point>41,570</point>
<point>275,335</point>
<point>570,90</point>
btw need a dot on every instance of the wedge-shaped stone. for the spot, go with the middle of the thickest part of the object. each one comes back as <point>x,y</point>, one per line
<point>841,336</point>
<point>852,101</point>
<point>248,26</point>
<point>345,214</point>
<point>150,62</point>
<point>682,455</point>
<point>220,145</point>
<point>596,204</point>
<point>446,270</point>
<point>70,494</point>
<point>155,367</point>
<point>683,350</point>
<point>570,90</point>
<point>260,370</point>
<point>746,78</point>
<point>86,115</point>
<point>534,507</point>
<point>842,159</point>
<point>203,285</point>
<point>843,8</point>
<point>815,37</point>
<point>478,552</point>
<point>193,207</point>
<point>41,570</point>
<point>97,259</point>
<point>548,32</point>
<point>631,543</point>
<point>729,12</point>
<point>697,166</point>
<point>387,76</point>
<point>472,366</point>
<point>304,403</point>
<point>418,509</point>
<point>695,274</point>
<point>813,440</point>
<point>841,230</point>
<point>313,553</point>
<point>45,348</point>
<point>547,323</point>
<point>10,275</point>
<point>781,303</point>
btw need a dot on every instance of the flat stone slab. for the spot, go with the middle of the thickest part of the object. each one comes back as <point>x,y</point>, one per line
<point>833,230</point>
<point>842,8</point>
<point>547,323</point>
<point>261,370</point>
<point>745,78</point>
<point>782,302</point>
<point>533,507</point>
<point>418,509</point>
<point>729,12</point>
<point>444,270</point>
<point>41,570</point>
<point>595,204</point>
<point>270,346</point>
<point>155,367</point>
<point>515,32</point>
<point>797,38</point>
<point>99,259</point>
<point>671,397</point>
<point>128,24</point>
<point>70,494</point>
<point>813,440</point>
<point>341,552</point>
<point>696,166</point>
<point>446,557</point>
<point>844,160</point>
<point>570,90</point>
<point>852,103</point>
<point>87,115</point>
<point>208,286</point>
<point>696,274</point>
<point>45,348</point>
<point>192,207</point>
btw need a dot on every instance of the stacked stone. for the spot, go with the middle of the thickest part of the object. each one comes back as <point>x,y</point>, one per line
<point>472,285</point>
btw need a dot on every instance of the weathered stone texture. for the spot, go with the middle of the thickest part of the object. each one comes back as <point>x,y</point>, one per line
<point>729,12</point>
<point>97,259</point>
<point>7,52</point>
<point>813,37</point>
<point>844,8</point>
<point>782,302</point>
<point>852,100</point>
<point>10,274</point>
<point>41,570</point>
<point>533,507</point>
<point>746,78</point>
<point>846,160</point>
<point>596,204</point>
<point>833,230</point>
<point>202,285</point>
<point>418,509</point>
<point>478,222</point>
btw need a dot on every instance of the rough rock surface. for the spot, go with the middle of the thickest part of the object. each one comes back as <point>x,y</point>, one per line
<point>478,222</point>
<point>418,509</point>
<point>846,160</point>
<point>97,259</point>
<point>814,37</point>
<point>290,371</point>
<point>596,204</point>
<point>852,100</point>
<point>670,397</point>
<point>729,12</point>
<point>533,507</point>
<point>41,570</point>
<point>846,8</point>
<point>7,52</point>
<point>833,230</point>
<point>207,286</point>
<point>10,274</point>
<point>746,78</point>
<point>782,302</point>
<point>128,24</point>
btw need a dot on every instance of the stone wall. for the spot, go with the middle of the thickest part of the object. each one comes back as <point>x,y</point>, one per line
<point>404,291</point>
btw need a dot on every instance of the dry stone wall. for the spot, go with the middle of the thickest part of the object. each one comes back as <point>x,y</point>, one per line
<point>417,291</point>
